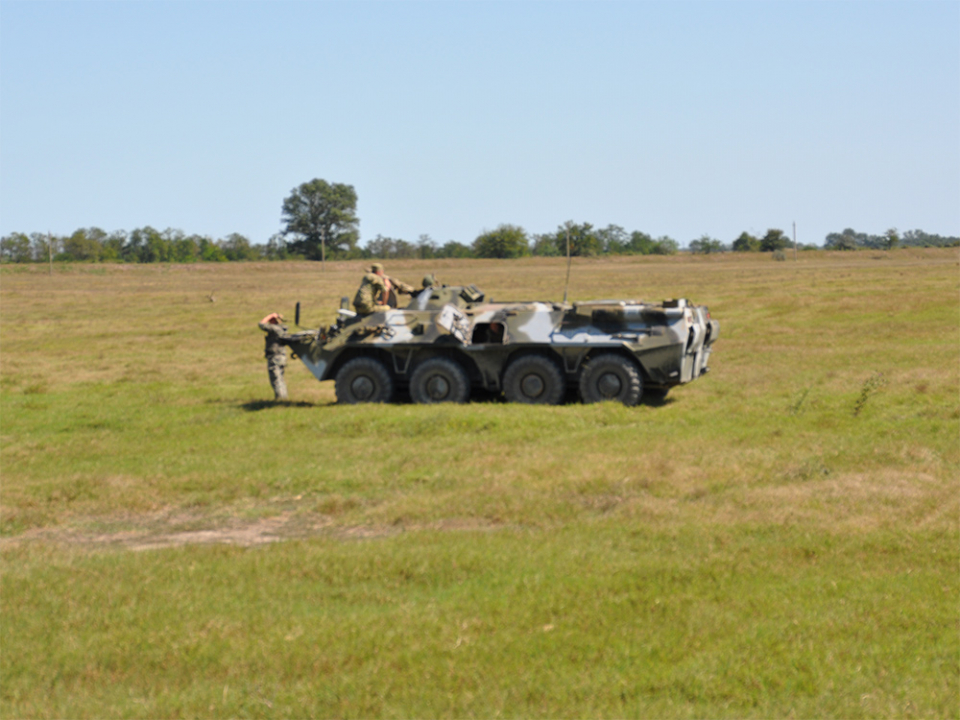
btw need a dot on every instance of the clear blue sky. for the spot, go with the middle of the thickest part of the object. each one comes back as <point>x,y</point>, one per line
<point>674,118</point>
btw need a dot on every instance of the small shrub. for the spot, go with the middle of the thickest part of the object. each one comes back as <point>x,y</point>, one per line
<point>871,385</point>
<point>794,408</point>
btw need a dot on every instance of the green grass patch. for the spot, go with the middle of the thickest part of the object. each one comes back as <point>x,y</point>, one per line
<point>607,619</point>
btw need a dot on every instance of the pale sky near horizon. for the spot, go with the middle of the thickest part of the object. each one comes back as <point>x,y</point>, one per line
<point>448,118</point>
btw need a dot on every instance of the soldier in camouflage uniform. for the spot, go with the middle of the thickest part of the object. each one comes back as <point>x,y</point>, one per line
<point>275,353</point>
<point>374,294</point>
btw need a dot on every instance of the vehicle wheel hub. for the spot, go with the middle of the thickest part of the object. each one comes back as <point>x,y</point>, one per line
<point>532,386</point>
<point>362,388</point>
<point>438,388</point>
<point>609,385</point>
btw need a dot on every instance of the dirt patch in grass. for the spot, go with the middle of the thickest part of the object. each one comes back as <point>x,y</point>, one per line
<point>176,529</point>
<point>151,531</point>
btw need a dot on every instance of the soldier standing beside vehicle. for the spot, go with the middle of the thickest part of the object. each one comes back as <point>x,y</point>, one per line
<point>374,294</point>
<point>275,353</point>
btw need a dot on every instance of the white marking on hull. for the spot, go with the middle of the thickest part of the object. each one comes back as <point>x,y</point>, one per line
<point>540,326</point>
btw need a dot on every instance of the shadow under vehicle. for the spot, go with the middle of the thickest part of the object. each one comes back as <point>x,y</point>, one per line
<point>450,341</point>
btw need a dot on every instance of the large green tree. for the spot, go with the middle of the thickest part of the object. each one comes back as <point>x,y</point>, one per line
<point>640,243</point>
<point>15,247</point>
<point>746,243</point>
<point>146,245</point>
<point>507,241</point>
<point>774,240</point>
<point>84,245</point>
<point>613,239</point>
<point>585,241</point>
<point>321,216</point>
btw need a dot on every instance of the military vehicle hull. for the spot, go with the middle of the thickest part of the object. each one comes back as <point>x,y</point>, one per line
<point>450,342</point>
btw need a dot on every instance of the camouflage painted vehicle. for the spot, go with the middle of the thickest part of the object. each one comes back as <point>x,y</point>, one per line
<point>450,341</point>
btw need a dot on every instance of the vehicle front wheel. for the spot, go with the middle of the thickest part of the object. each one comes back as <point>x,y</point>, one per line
<point>611,377</point>
<point>439,380</point>
<point>535,380</point>
<point>363,380</point>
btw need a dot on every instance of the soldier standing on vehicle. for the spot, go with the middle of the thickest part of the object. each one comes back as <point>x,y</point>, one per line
<point>275,353</point>
<point>374,294</point>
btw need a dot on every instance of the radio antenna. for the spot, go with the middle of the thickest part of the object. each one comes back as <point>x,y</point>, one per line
<point>567,284</point>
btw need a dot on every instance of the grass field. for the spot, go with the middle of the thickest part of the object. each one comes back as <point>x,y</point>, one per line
<point>780,538</point>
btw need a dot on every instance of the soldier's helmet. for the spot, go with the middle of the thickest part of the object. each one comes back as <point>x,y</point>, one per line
<point>376,267</point>
<point>429,280</point>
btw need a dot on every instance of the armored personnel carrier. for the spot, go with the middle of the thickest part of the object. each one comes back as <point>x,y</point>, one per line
<point>450,341</point>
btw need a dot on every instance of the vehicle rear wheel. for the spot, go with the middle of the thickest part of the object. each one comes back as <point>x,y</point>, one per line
<point>611,377</point>
<point>363,380</point>
<point>439,380</point>
<point>535,380</point>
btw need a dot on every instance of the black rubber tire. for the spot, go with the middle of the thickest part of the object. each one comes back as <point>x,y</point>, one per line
<point>611,377</point>
<point>534,380</point>
<point>439,380</point>
<point>363,380</point>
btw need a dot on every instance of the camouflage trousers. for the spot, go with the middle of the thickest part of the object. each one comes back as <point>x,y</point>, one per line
<point>275,367</point>
<point>364,308</point>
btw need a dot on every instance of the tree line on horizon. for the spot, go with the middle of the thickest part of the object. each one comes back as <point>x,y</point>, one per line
<point>320,222</point>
